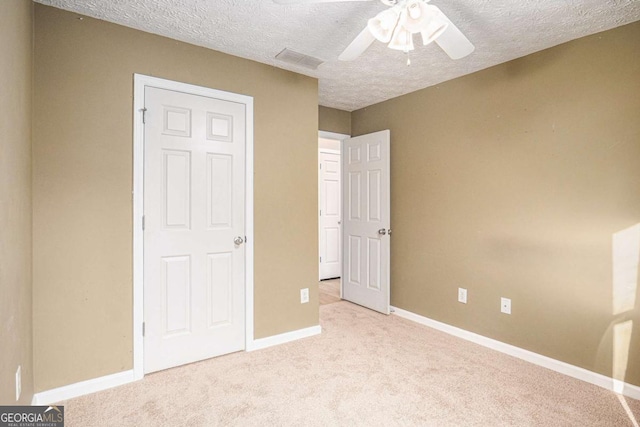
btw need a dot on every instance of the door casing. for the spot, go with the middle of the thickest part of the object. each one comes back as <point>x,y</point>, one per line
<point>140,82</point>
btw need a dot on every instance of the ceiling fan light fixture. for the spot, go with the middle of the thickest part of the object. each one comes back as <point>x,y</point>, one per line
<point>415,16</point>
<point>424,19</point>
<point>397,25</point>
<point>401,40</point>
<point>383,24</point>
<point>433,30</point>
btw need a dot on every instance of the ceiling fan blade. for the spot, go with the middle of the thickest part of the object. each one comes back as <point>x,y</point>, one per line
<point>311,1</point>
<point>453,42</point>
<point>357,46</point>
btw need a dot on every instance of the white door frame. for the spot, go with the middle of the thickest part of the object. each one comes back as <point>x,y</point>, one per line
<point>333,135</point>
<point>140,82</point>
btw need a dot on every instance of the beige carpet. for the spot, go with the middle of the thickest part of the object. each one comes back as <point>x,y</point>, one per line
<point>365,369</point>
<point>329,291</point>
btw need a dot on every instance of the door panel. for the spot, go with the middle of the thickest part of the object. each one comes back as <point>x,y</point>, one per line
<point>373,196</point>
<point>219,191</point>
<point>194,208</point>
<point>220,288</point>
<point>176,292</point>
<point>332,239</point>
<point>355,196</point>
<point>329,219</point>
<point>373,263</point>
<point>367,224</point>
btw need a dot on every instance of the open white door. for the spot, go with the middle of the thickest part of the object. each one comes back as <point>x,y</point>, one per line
<point>367,220</point>
<point>329,214</point>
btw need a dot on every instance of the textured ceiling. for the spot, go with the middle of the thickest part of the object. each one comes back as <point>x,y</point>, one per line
<point>501,30</point>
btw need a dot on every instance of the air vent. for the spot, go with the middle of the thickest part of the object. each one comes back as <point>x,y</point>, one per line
<point>295,58</point>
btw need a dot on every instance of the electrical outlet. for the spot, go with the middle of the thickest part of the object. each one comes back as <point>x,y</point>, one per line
<point>505,305</point>
<point>18,382</point>
<point>462,295</point>
<point>304,296</point>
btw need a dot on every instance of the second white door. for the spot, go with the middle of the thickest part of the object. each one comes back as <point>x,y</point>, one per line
<point>194,202</point>
<point>329,219</point>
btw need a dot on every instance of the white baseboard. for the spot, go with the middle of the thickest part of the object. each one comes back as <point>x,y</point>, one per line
<point>600,380</point>
<point>84,387</point>
<point>284,338</point>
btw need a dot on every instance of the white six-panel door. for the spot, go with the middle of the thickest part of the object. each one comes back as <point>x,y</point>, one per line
<point>194,258</point>
<point>329,215</point>
<point>366,220</point>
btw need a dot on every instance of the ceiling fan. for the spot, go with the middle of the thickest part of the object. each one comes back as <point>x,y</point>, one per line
<point>397,25</point>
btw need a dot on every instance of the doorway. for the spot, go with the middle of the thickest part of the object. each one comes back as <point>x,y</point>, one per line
<point>364,225</point>
<point>330,216</point>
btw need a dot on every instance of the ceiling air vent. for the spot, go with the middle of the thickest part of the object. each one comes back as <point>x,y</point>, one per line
<point>295,58</point>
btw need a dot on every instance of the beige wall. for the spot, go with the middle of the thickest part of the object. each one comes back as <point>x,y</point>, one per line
<point>511,183</point>
<point>83,181</point>
<point>16,28</point>
<point>333,120</point>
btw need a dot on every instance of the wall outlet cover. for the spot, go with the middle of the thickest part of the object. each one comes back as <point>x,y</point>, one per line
<point>505,305</point>
<point>462,295</point>
<point>304,296</point>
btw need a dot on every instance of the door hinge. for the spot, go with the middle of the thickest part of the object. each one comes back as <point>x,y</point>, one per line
<point>320,259</point>
<point>245,239</point>
<point>320,212</point>
<point>144,111</point>
<point>320,165</point>
<point>143,328</point>
<point>143,222</point>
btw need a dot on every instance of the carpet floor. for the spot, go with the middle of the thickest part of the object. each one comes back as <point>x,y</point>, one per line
<point>329,291</point>
<point>365,369</point>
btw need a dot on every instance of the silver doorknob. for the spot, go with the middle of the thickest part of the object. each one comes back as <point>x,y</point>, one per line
<point>382,231</point>
<point>238,240</point>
